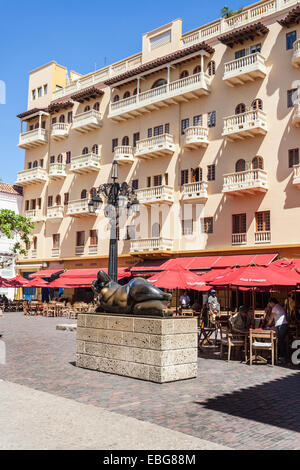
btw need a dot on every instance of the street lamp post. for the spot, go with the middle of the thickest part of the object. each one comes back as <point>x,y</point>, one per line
<point>118,196</point>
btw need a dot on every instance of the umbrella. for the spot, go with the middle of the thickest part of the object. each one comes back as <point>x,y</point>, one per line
<point>4,282</point>
<point>36,282</point>
<point>254,276</point>
<point>177,278</point>
<point>18,281</point>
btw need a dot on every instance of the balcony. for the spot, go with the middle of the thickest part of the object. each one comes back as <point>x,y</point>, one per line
<point>296,115</point>
<point>239,239</point>
<point>296,54</point>
<point>60,131</point>
<point>262,237</point>
<point>245,182</point>
<point>93,249</point>
<point>241,126</point>
<point>55,252</point>
<point>156,195</point>
<point>79,250</point>
<point>195,192</point>
<point>33,138</point>
<point>195,137</point>
<point>79,208</point>
<point>85,163</point>
<point>55,212</point>
<point>31,176</point>
<point>35,215</point>
<point>296,176</point>
<point>171,93</point>
<point>245,69</point>
<point>86,122</point>
<point>150,245</point>
<point>57,171</point>
<point>124,154</point>
<point>155,147</point>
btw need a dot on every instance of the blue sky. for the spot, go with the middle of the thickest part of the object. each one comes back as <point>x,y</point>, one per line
<point>77,34</point>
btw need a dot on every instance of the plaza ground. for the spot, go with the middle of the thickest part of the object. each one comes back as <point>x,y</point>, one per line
<point>229,404</point>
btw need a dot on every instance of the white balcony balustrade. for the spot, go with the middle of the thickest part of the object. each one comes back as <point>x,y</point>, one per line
<point>262,237</point>
<point>79,250</point>
<point>60,131</point>
<point>85,163</point>
<point>34,138</point>
<point>190,87</point>
<point>245,182</point>
<point>55,252</point>
<point>35,175</point>
<point>155,147</point>
<point>33,254</point>
<point>151,244</point>
<point>239,239</point>
<point>245,69</point>
<point>195,137</point>
<point>93,249</point>
<point>79,208</point>
<point>156,195</point>
<point>55,212</point>
<point>296,176</point>
<point>124,154</point>
<point>57,171</point>
<point>248,124</point>
<point>35,215</point>
<point>86,122</point>
<point>296,54</point>
<point>194,192</point>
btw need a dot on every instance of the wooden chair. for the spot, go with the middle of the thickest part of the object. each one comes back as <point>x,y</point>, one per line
<point>232,340</point>
<point>263,340</point>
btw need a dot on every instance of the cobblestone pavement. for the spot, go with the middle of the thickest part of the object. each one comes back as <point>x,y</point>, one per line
<point>231,404</point>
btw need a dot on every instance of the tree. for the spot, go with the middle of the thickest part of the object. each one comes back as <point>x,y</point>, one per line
<point>14,226</point>
<point>226,13</point>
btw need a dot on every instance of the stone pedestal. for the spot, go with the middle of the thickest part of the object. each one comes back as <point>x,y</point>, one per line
<point>154,349</point>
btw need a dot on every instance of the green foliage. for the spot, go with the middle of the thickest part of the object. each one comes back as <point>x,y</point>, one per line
<point>11,225</point>
<point>226,13</point>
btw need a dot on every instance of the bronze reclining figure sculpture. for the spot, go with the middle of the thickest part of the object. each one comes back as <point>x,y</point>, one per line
<point>137,297</point>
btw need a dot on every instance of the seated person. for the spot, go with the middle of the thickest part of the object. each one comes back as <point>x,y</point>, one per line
<point>278,316</point>
<point>184,300</point>
<point>241,321</point>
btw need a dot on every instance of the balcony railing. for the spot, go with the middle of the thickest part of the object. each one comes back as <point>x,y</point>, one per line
<point>248,182</point>
<point>245,69</point>
<point>87,121</point>
<point>57,171</point>
<point>55,252</point>
<point>195,191</point>
<point>262,237</point>
<point>35,215</point>
<point>151,244</point>
<point>296,176</point>
<point>239,239</point>
<point>195,137</point>
<point>85,163</point>
<point>124,154</point>
<point>33,138</point>
<point>55,212</point>
<point>93,249</point>
<point>245,125</point>
<point>79,250</point>
<point>191,87</point>
<point>60,130</point>
<point>33,254</point>
<point>296,54</point>
<point>156,194</point>
<point>79,208</point>
<point>155,147</point>
<point>31,176</point>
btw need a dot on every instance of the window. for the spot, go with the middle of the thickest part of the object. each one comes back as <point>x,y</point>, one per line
<point>255,48</point>
<point>85,151</point>
<point>39,203</point>
<point>53,120</point>
<point>80,238</point>
<point>196,174</point>
<point>167,128</point>
<point>240,53</point>
<point>159,82</point>
<point>55,240</point>
<point>114,144</point>
<point>293,157</point>
<point>291,97</point>
<point>155,230</point>
<point>96,106</point>
<point>135,184</point>
<point>211,172</point>
<point>136,138</point>
<point>184,74</point>
<point>93,193</point>
<point>43,124</point>
<point>240,165</point>
<point>158,130</point>
<point>157,180</point>
<point>239,223</point>
<point>95,149</point>
<point>184,177</point>
<point>258,163</point>
<point>32,204</point>
<point>135,91</point>
<point>45,89</point>
<point>93,238</point>
<point>126,95</point>
<point>33,94</point>
<point>197,69</point>
<point>29,165</point>
<point>60,158</point>
<point>166,178</point>
<point>211,68</point>
<point>26,205</point>
<point>50,201</point>
<point>125,140</point>
<point>31,128</point>
<point>240,108</point>
<point>66,198</point>
<point>257,104</point>
<point>70,117</point>
<point>211,119</point>
<point>149,133</point>
<point>207,225</point>
<point>248,50</point>
<point>184,124</point>
<point>83,194</point>
<point>58,200</point>
<point>35,164</point>
<point>160,39</point>
<point>116,98</point>
<point>40,92</point>
<point>290,39</point>
<point>68,157</point>
<point>130,232</point>
<point>87,108</point>
<point>187,227</point>
<point>148,181</point>
<point>197,120</point>
<point>52,159</point>
<point>62,118</point>
<point>263,221</point>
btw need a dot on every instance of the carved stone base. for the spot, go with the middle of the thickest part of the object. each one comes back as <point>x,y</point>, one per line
<point>153,349</point>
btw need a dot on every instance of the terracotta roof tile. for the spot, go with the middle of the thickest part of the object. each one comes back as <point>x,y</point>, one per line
<point>293,17</point>
<point>239,35</point>
<point>11,189</point>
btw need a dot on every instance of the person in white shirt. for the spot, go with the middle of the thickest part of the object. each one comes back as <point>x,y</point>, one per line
<point>184,300</point>
<point>278,315</point>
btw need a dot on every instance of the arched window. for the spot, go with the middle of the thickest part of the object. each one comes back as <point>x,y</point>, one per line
<point>116,98</point>
<point>96,106</point>
<point>60,158</point>
<point>240,165</point>
<point>258,163</point>
<point>126,95</point>
<point>159,82</point>
<point>85,150</point>
<point>87,108</point>
<point>211,68</point>
<point>184,74</point>
<point>125,140</point>
<point>95,149</point>
<point>93,193</point>
<point>257,104</point>
<point>34,243</point>
<point>240,108</point>
<point>35,164</point>
<point>62,118</point>
<point>197,69</point>
<point>58,200</point>
<point>36,126</point>
<point>83,194</point>
<point>135,91</point>
<point>155,230</point>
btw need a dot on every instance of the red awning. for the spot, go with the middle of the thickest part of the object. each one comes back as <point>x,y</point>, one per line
<point>44,273</point>
<point>177,278</point>
<point>37,282</point>
<point>92,273</point>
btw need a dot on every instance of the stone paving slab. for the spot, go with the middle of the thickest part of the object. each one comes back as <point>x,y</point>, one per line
<point>67,327</point>
<point>36,420</point>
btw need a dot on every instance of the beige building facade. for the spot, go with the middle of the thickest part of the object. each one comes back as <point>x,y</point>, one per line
<point>206,128</point>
